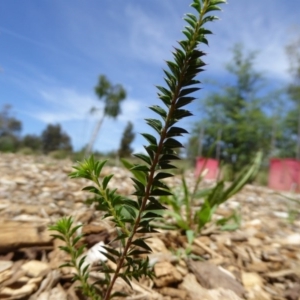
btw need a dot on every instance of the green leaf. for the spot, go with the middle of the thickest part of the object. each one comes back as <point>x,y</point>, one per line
<point>143,157</point>
<point>170,76</point>
<point>197,5</point>
<point>150,138</point>
<point>175,70</point>
<point>213,8</point>
<point>204,31</point>
<point>184,44</point>
<point>110,257</point>
<point>106,180</point>
<point>112,251</point>
<point>192,17</point>
<point>166,99</point>
<point>188,34</point>
<point>181,113</point>
<point>159,192</point>
<point>99,166</point>
<point>81,261</point>
<point>168,157</point>
<point>187,91</point>
<point>191,22</point>
<point>203,40</point>
<point>162,175</point>
<point>150,152</point>
<point>217,196</point>
<point>91,189</point>
<point>182,101</point>
<point>159,184</point>
<point>180,222</point>
<point>131,211</point>
<point>136,252</point>
<point>152,214</point>
<point>159,111</point>
<point>124,277</point>
<point>152,147</point>
<point>190,235</point>
<point>149,229</point>
<point>246,176</point>
<point>155,124</point>
<point>166,166</point>
<point>140,176</point>
<point>154,206</point>
<point>172,143</point>
<point>131,203</point>
<point>209,19</point>
<point>56,236</point>
<point>164,91</point>
<point>139,185</point>
<point>141,243</point>
<point>142,168</point>
<point>176,131</point>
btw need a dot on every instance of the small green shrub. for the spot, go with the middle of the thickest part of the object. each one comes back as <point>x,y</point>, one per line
<point>26,151</point>
<point>59,154</point>
<point>184,201</point>
<point>135,216</point>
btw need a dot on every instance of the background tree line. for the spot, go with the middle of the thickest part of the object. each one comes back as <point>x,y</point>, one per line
<point>239,118</point>
<point>52,139</point>
<point>247,114</point>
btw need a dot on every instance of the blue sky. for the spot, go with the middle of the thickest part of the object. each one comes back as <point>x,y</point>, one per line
<point>52,52</point>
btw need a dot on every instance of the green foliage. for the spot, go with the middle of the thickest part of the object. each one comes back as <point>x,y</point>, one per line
<point>229,112</point>
<point>53,138</point>
<point>128,136</point>
<point>32,141</point>
<point>10,129</point>
<point>25,151</point>
<point>67,233</point>
<point>134,216</point>
<point>183,204</point>
<point>293,90</point>
<point>112,95</point>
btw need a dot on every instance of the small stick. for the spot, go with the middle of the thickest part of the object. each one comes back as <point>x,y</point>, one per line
<point>207,249</point>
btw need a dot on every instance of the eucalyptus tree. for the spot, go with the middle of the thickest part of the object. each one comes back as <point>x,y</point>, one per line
<point>53,138</point>
<point>235,123</point>
<point>293,90</point>
<point>112,96</point>
<point>125,149</point>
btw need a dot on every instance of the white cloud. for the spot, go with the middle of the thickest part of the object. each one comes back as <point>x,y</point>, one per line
<point>67,104</point>
<point>150,39</point>
<point>63,104</point>
<point>132,110</point>
<point>257,27</point>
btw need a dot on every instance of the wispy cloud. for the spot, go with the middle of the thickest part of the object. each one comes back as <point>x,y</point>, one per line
<point>150,37</point>
<point>259,29</point>
<point>34,42</point>
<point>63,104</point>
<point>66,104</point>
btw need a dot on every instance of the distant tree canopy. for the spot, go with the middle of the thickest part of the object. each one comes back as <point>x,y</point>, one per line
<point>293,90</point>
<point>112,96</point>
<point>32,141</point>
<point>128,136</point>
<point>53,138</point>
<point>235,125</point>
<point>10,129</point>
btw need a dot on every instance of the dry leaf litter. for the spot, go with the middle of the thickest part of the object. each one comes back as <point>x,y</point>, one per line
<point>260,260</point>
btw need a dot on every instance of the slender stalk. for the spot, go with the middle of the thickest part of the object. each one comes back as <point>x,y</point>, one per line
<point>163,135</point>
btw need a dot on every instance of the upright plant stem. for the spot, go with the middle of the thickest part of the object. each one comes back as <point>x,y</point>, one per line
<point>192,47</point>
